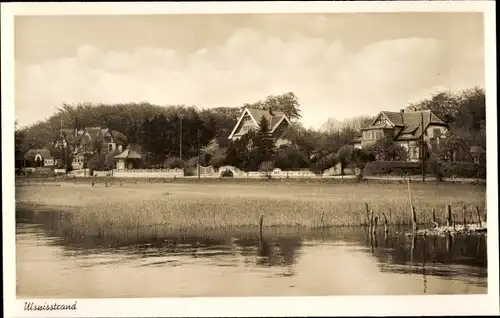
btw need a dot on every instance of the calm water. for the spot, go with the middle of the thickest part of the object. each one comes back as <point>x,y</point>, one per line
<point>55,264</point>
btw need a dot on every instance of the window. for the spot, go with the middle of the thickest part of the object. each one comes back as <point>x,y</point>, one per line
<point>414,153</point>
<point>436,132</point>
<point>110,147</point>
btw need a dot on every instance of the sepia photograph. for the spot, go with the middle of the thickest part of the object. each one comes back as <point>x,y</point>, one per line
<point>250,154</point>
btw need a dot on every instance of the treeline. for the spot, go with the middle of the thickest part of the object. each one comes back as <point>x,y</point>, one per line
<point>464,111</point>
<point>156,131</point>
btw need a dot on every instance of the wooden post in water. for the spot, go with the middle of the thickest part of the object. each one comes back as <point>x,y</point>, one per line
<point>390,216</point>
<point>371,219</point>
<point>261,236</point>
<point>386,227</point>
<point>414,218</point>
<point>449,220</point>
<point>478,216</point>
<point>434,221</point>
<point>409,195</point>
<point>261,223</point>
<point>375,223</point>
<point>367,214</point>
<point>464,211</point>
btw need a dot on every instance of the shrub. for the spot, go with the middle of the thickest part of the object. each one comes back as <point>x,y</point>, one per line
<point>461,169</point>
<point>175,163</point>
<point>191,163</point>
<point>217,160</point>
<point>227,174</point>
<point>392,168</point>
<point>433,167</point>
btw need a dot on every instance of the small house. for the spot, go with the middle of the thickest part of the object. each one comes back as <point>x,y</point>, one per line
<point>40,158</point>
<point>478,154</point>
<point>128,159</point>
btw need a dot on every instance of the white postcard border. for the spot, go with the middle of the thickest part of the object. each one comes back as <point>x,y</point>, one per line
<point>268,306</point>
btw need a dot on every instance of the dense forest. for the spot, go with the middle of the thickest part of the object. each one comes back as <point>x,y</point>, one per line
<point>156,131</point>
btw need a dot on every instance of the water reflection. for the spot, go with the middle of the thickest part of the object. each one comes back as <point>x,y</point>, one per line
<point>306,256</point>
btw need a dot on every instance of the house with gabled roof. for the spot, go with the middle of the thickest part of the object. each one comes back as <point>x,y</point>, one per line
<point>406,129</point>
<point>250,118</point>
<point>83,142</point>
<point>128,159</point>
<point>41,158</point>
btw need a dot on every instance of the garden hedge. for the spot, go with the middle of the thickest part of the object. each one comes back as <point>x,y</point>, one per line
<point>445,169</point>
<point>396,168</point>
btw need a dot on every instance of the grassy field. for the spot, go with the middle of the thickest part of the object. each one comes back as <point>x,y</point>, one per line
<point>184,206</point>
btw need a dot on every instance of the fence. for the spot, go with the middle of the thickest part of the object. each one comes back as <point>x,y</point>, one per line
<point>207,171</point>
<point>102,173</point>
<point>149,173</point>
<point>276,173</point>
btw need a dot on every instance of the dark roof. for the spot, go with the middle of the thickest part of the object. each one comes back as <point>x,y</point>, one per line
<point>273,119</point>
<point>477,150</point>
<point>129,154</point>
<point>45,153</point>
<point>114,133</point>
<point>409,122</point>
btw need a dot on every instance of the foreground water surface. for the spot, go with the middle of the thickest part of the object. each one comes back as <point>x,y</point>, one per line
<point>52,263</point>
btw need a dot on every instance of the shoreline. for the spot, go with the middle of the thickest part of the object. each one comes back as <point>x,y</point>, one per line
<point>242,180</point>
<point>224,204</point>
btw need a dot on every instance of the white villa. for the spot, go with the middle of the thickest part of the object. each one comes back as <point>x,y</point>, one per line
<point>249,119</point>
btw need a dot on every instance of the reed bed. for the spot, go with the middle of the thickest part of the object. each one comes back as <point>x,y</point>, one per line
<point>181,208</point>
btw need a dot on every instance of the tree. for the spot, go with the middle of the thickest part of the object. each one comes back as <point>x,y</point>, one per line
<point>320,164</point>
<point>359,159</point>
<point>344,155</point>
<point>333,125</point>
<point>241,153</point>
<point>97,145</point>
<point>18,151</point>
<point>454,148</point>
<point>263,141</point>
<point>110,161</point>
<point>175,163</point>
<point>119,138</point>
<point>96,163</point>
<point>464,111</point>
<point>386,149</point>
<point>267,167</point>
<point>217,160</point>
<point>290,158</point>
<point>288,103</point>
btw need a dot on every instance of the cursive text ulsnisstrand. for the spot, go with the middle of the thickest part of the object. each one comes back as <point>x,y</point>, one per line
<point>32,306</point>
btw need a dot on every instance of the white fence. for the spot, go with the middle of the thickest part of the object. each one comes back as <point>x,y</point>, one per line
<point>149,173</point>
<point>102,173</point>
<point>276,173</point>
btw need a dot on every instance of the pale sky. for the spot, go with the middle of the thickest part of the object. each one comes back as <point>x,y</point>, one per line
<point>339,65</point>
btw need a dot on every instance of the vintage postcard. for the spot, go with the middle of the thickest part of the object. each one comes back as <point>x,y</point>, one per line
<point>249,159</point>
